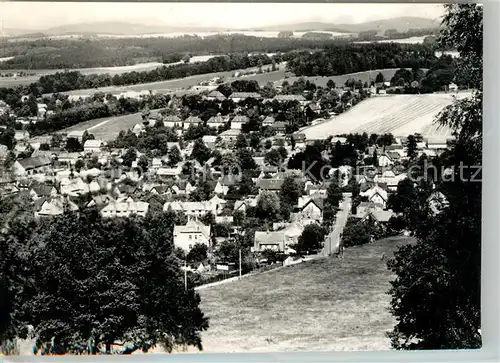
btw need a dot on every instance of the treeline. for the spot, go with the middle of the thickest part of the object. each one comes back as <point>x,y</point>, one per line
<point>84,53</point>
<point>351,58</point>
<point>67,81</point>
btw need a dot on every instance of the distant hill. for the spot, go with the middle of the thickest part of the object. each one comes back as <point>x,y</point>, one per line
<point>112,28</point>
<point>401,24</point>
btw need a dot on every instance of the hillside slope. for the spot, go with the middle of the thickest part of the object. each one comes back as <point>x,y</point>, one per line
<point>327,304</point>
<point>400,115</point>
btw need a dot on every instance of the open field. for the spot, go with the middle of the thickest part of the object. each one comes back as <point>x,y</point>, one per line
<point>181,83</point>
<point>326,304</point>
<point>107,128</point>
<point>400,115</point>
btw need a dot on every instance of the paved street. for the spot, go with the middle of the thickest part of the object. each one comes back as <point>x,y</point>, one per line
<point>332,241</point>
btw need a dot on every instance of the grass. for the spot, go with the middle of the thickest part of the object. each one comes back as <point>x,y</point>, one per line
<point>327,304</point>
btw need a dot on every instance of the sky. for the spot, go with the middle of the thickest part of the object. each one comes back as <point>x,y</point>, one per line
<point>44,15</point>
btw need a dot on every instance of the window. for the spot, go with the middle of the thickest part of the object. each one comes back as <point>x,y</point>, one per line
<point>190,237</point>
<point>195,236</point>
<point>190,246</point>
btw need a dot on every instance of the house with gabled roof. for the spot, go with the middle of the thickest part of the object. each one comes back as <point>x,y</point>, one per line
<point>374,211</point>
<point>279,126</point>
<point>125,208</point>
<point>172,121</point>
<point>270,184</point>
<point>238,121</point>
<point>38,191</point>
<point>216,121</point>
<point>285,98</point>
<point>192,120</point>
<point>193,232</point>
<point>268,121</point>
<point>280,240</point>
<point>49,207</point>
<point>31,166</point>
<point>311,208</point>
<point>215,96</point>
<point>376,194</point>
<point>239,96</point>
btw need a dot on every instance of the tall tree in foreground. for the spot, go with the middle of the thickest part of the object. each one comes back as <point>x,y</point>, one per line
<point>436,293</point>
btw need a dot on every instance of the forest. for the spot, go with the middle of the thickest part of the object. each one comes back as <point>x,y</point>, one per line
<point>97,52</point>
<point>343,59</point>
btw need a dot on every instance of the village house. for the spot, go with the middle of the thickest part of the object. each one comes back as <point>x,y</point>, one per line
<point>285,98</point>
<point>242,205</point>
<point>31,166</point>
<point>38,191</point>
<point>125,209</point>
<point>192,120</point>
<point>138,129</point>
<point>22,136</point>
<point>270,184</point>
<point>279,126</point>
<point>239,96</point>
<point>99,201</point>
<point>229,136</point>
<point>268,121</point>
<point>279,241</point>
<point>209,141</point>
<point>376,194</point>
<point>49,207</point>
<point>74,188</point>
<point>374,211</point>
<point>238,121</point>
<point>216,121</point>
<point>311,208</point>
<point>172,121</point>
<point>193,232</point>
<point>169,172</point>
<point>221,189</point>
<point>300,140</point>
<point>389,178</point>
<point>215,96</point>
<point>93,146</point>
<point>384,160</point>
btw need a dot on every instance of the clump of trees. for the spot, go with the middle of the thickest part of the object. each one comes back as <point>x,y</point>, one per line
<point>79,278</point>
<point>436,293</point>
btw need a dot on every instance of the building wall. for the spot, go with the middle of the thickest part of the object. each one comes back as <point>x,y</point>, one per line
<point>312,211</point>
<point>187,240</point>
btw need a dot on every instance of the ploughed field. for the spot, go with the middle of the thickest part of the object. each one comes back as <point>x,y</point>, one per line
<point>400,115</point>
<point>319,305</point>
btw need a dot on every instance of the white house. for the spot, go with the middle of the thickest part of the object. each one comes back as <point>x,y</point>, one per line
<point>238,96</point>
<point>376,195</point>
<point>192,120</point>
<point>93,146</point>
<point>216,121</point>
<point>278,240</point>
<point>191,233</point>
<point>229,136</point>
<point>238,121</point>
<point>215,96</point>
<point>172,121</point>
<point>125,209</point>
<point>268,121</point>
<point>54,207</point>
<point>385,160</point>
